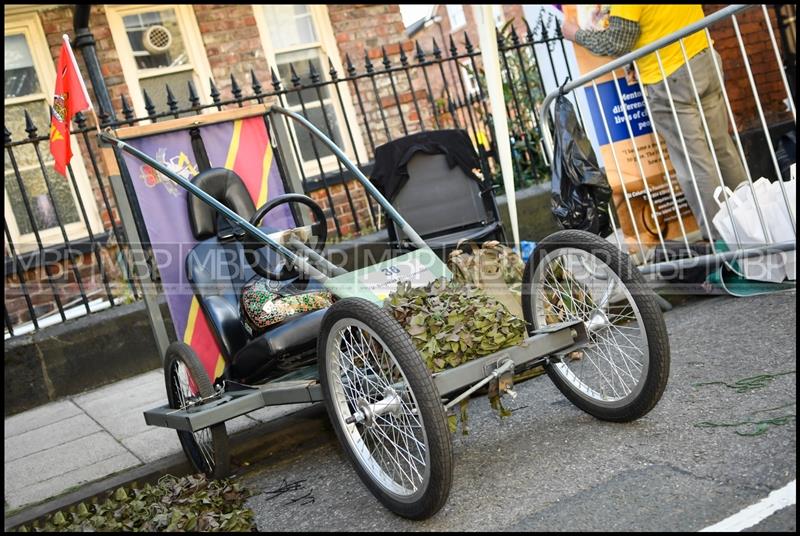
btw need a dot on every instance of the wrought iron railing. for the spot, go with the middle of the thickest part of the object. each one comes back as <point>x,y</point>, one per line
<point>416,88</point>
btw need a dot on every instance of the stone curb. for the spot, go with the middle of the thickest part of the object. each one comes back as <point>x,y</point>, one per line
<point>266,442</point>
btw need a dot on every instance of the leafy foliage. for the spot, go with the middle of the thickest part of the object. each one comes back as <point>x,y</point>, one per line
<point>451,323</point>
<point>190,503</point>
<point>475,314</point>
<point>523,93</point>
<point>493,267</point>
<point>492,257</point>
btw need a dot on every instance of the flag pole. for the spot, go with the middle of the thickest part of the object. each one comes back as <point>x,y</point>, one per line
<point>83,84</point>
<point>96,121</point>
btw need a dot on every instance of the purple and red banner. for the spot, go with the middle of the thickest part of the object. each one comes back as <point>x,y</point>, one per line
<point>241,145</point>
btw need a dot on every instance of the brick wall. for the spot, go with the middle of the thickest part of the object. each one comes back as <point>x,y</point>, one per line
<point>359,27</point>
<point>361,30</point>
<point>64,284</point>
<point>766,73</point>
<point>344,215</point>
<point>233,45</point>
<point>56,22</point>
<point>217,23</point>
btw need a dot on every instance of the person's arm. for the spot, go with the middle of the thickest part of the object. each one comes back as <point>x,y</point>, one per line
<point>616,40</point>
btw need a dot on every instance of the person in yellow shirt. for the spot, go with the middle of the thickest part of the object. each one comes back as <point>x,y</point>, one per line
<point>631,27</point>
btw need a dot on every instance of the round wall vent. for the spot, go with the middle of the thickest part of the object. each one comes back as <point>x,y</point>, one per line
<point>157,39</point>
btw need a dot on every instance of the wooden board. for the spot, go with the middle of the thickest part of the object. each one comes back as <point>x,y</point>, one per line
<point>188,122</point>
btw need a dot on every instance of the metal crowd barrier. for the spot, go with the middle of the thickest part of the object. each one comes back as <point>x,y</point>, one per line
<point>741,249</point>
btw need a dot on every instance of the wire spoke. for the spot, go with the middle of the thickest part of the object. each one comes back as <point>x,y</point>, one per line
<point>391,443</point>
<point>573,284</point>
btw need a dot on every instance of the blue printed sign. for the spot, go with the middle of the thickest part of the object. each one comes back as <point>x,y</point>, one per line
<point>613,111</point>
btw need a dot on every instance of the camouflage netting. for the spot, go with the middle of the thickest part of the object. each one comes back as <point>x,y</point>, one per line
<point>451,323</point>
<point>187,504</point>
<point>490,259</point>
<point>476,314</point>
<point>493,267</point>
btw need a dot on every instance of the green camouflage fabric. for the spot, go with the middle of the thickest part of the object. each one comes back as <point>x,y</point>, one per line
<point>494,268</point>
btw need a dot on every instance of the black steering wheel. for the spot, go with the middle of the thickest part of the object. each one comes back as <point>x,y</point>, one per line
<point>279,269</point>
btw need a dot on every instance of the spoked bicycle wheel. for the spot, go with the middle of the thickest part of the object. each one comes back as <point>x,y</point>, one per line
<point>385,408</point>
<point>622,373</point>
<point>187,384</point>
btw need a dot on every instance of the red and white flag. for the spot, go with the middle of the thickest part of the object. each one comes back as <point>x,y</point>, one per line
<point>70,98</point>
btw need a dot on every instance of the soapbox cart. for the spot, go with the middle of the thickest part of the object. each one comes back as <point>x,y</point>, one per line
<point>592,323</point>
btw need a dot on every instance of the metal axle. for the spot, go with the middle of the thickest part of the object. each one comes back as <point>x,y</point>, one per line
<point>496,373</point>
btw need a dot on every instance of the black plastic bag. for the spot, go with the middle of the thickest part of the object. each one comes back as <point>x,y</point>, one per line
<point>786,153</point>
<point>579,188</point>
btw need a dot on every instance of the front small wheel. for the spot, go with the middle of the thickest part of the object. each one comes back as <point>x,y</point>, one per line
<point>187,385</point>
<point>385,408</point>
<point>622,373</point>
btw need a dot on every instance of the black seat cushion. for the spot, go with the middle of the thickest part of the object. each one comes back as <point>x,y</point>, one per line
<point>218,273</point>
<point>292,338</point>
<point>443,205</point>
<point>216,268</point>
<point>226,187</point>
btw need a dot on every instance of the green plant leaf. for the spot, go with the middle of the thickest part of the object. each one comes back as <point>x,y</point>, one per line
<point>182,504</point>
<point>453,322</point>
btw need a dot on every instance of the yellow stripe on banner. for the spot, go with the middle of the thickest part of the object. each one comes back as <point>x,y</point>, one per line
<point>234,147</point>
<point>193,310</point>
<point>220,368</point>
<point>262,197</point>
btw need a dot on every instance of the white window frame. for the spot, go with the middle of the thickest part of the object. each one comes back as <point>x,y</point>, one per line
<point>497,13</point>
<point>192,41</point>
<point>326,41</point>
<point>30,26</point>
<point>458,22</point>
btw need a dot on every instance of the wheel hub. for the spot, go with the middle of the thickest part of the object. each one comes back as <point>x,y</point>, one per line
<point>597,320</point>
<point>391,403</point>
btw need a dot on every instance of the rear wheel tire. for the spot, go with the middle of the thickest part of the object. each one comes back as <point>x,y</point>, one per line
<point>622,373</point>
<point>187,382</point>
<point>403,454</point>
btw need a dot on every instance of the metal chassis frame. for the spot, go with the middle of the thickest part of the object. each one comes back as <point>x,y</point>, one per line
<point>557,339</point>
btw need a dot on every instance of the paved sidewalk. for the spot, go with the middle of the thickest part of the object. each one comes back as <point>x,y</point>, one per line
<point>57,447</point>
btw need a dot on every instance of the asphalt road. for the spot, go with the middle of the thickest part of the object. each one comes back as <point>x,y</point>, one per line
<point>550,467</point>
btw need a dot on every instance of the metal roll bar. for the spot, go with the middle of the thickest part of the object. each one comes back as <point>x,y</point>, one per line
<point>300,261</point>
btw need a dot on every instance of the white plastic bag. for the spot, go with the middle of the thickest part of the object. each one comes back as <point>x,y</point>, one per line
<point>780,222</point>
<point>738,218</point>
